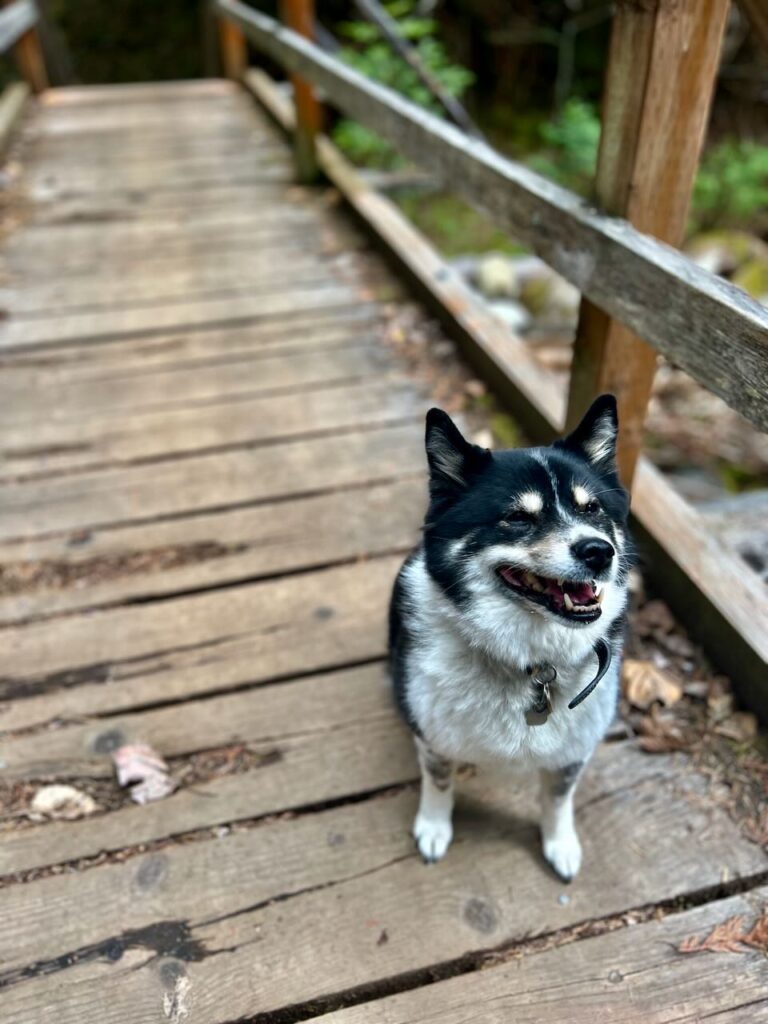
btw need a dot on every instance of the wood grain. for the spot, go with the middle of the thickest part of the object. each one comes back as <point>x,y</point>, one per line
<point>135,563</point>
<point>634,975</point>
<point>708,327</point>
<point>661,74</point>
<point>491,890</point>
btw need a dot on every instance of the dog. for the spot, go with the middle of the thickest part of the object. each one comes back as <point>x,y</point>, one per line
<point>507,616</point>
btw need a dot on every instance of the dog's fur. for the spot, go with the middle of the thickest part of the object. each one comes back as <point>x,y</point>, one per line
<point>464,642</point>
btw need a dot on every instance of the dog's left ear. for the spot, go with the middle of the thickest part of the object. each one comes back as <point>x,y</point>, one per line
<point>595,437</point>
<point>453,460</point>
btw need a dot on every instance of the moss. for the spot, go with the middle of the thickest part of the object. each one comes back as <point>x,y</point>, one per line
<point>752,276</point>
<point>505,430</point>
<point>453,226</point>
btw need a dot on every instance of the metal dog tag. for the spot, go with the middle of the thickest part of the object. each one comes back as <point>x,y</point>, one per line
<point>543,678</point>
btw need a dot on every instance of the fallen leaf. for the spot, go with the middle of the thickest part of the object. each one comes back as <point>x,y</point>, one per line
<point>645,684</point>
<point>58,801</point>
<point>139,764</point>
<point>730,937</point>
<point>741,727</point>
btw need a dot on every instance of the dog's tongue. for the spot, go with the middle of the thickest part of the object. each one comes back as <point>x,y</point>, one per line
<point>581,593</point>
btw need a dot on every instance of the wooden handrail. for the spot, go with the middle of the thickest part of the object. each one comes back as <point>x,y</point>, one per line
<point>18,29</point>
<point>16,19</point>
<point>705,325</point>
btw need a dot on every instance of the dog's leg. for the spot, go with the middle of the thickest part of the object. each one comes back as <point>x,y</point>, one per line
<point>432,828</point>
<point>558,831</point>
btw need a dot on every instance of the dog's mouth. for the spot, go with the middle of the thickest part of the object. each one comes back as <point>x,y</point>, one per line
<point>577,601</point>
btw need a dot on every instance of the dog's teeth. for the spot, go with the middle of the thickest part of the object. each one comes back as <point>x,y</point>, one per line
<point>568,603</point>
<point>559,581</point>
<point>599,596</point>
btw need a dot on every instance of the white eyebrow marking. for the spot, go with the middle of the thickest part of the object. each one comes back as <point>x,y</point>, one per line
<point>581,494</point>
<point>531,502</point>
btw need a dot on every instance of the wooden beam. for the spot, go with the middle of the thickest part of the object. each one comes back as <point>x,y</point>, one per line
<point>299,15</point>
<point>234,49</point>
<point>662,69</point>
<point>16,18</point>
<point>18,27</point>
<point>757,16</point>
<point>711,329</point>
<point>711,590</point>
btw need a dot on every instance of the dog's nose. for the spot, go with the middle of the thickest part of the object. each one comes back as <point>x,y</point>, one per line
<point>594,552</point>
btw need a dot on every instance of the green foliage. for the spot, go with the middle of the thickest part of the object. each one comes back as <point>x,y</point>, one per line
<point>731,186</point>
<point>373,57</point>
<point>570,142</point>
<point>452,225</point>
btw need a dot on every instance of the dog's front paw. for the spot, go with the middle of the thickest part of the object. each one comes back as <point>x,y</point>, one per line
<point>433,837</point>
<point>564,854</point>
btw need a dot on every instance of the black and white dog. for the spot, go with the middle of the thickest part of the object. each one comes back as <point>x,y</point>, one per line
<point>507,615</point>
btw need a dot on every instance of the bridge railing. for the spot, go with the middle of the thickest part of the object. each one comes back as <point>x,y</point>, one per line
<point>640,295</point>
<point>18,30</point>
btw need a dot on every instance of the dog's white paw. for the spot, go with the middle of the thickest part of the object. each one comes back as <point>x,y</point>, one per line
<point>433,837</point>
<point>563,852</point>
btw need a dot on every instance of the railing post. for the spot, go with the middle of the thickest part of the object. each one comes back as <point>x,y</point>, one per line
<point>299,15</point>
<point>661,74</point>
<point>30,60</point>
<point>234,49</point>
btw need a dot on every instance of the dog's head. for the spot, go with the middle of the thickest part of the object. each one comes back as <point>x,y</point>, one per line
<point>531,534</point>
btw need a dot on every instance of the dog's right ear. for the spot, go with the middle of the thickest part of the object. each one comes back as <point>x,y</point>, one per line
<point>453,461</point>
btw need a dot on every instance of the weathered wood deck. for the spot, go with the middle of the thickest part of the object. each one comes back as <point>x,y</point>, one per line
<point>217,465</point>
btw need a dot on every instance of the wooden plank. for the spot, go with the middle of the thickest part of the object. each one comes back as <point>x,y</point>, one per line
<point>230,419</point>
<point>296,331</point>
<point>89,409</point>
<point>320,942</point>
<point>726,608</point>
<point>217,311</point>
<point>269,718</point>
<point>88,293</point>
<point>635,975</point>
<point>661,74</point>
<point>190,90</point>
<point>134,563</point>
<point>217,626</point>
<point>293,626</point>
<point>207,482</point>
<point>387,819</point>
<point>281,241</point>
<point>12,102</point>
<point>705,325</point>
<point>757,14</point>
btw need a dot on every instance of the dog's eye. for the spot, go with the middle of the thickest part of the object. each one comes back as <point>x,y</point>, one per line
<point>517,517</point>
<point>592,507</point>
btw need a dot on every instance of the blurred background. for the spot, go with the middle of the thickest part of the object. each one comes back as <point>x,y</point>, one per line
<point>530,76</point>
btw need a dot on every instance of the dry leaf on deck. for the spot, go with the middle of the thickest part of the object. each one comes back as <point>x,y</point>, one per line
<point>645,684</point>
<point>138,763</point>
<point>730,937</point>
<point>59,801</point>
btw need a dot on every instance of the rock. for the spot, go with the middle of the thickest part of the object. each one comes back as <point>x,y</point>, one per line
<point>723,252</point>
<point>515,316</point>
<point>549,297</point>
<point>58,801</point>
<point>496,277</point>
<point>752,276</point>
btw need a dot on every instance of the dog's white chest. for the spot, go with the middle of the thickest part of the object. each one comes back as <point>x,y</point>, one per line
<point>472,711</point>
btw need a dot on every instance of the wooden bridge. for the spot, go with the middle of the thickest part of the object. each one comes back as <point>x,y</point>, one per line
<point>211,466</point>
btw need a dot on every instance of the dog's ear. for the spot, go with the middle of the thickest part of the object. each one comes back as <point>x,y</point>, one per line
<point>594,439</point>
<point>453,461</point>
